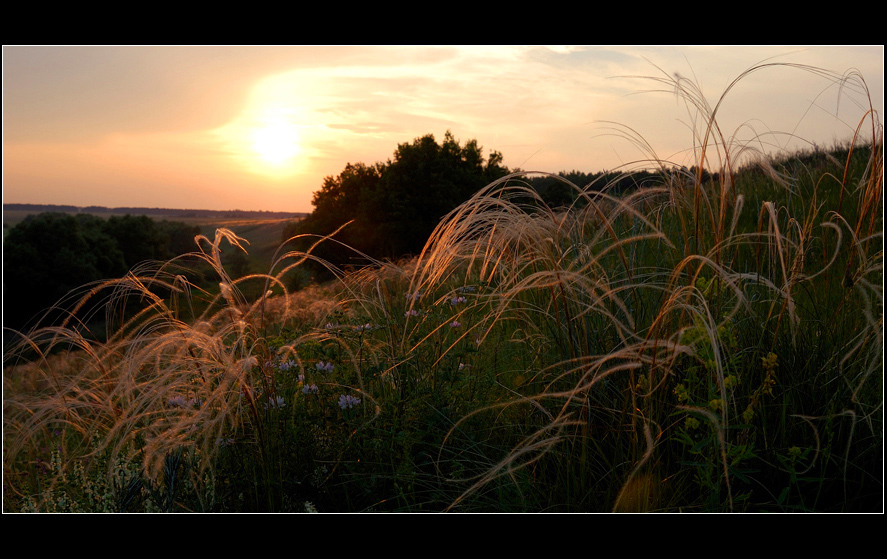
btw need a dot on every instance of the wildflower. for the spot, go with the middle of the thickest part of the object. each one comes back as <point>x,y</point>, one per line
<point>457,300</point>
<point>681,392</point>
<point>179,401</point>
<point>275,402</point>
<point>348,401</point>
<point>327,367</point>
<point>412,312</point>
<point>286,365</point>
<point>310,389</point>
<point>455,324</point>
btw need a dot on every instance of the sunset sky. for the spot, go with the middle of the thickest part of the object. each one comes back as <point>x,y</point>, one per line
<point>258,128</point>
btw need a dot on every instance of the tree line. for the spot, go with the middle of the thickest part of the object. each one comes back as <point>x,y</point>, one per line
<point>157,212</point>
<point>47,255</point>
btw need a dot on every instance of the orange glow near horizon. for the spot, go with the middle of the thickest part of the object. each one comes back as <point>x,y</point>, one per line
<point>260,127</point>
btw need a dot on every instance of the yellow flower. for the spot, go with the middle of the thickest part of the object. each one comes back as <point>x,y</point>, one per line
<point>681,392</point>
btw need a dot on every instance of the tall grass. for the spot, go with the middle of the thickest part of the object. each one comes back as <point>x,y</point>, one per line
<point>694,344</point>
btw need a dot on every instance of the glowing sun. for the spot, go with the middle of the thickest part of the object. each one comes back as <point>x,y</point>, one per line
<point>276,142</point>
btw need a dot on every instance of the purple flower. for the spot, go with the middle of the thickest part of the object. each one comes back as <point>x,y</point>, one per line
<point>327,367</point>
<point>180,401</point>
<point>348,401</point>
<point>412,312</point>
<point>455,324</point>
<point>310,389</point>
<point>457,300</point>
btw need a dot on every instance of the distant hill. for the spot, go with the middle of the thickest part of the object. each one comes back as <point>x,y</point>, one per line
<point>166,212</point>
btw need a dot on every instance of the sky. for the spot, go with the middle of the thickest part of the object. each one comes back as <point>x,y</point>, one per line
<point>259,127</point>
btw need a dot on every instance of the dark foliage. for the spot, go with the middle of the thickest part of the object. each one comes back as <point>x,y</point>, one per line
<point>391,208</point>
<point>50,254</point>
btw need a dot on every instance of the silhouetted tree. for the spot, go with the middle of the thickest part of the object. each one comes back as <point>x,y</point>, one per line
<point>394,207</point>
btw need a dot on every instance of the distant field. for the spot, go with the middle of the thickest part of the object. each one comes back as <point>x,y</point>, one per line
<point>264,236</point>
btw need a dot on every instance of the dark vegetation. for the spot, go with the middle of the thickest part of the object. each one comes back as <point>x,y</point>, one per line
<point>48,255</point>
<point>391,208</point>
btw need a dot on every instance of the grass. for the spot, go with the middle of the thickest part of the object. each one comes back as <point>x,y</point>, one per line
<point>688,346</point>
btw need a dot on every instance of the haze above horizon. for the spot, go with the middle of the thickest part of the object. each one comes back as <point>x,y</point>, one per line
<point>257,128</point>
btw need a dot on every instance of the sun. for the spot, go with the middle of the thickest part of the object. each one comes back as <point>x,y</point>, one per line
<point>276,141</point>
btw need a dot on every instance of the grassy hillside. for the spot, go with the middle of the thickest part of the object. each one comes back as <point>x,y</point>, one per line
<point>696,344</point>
